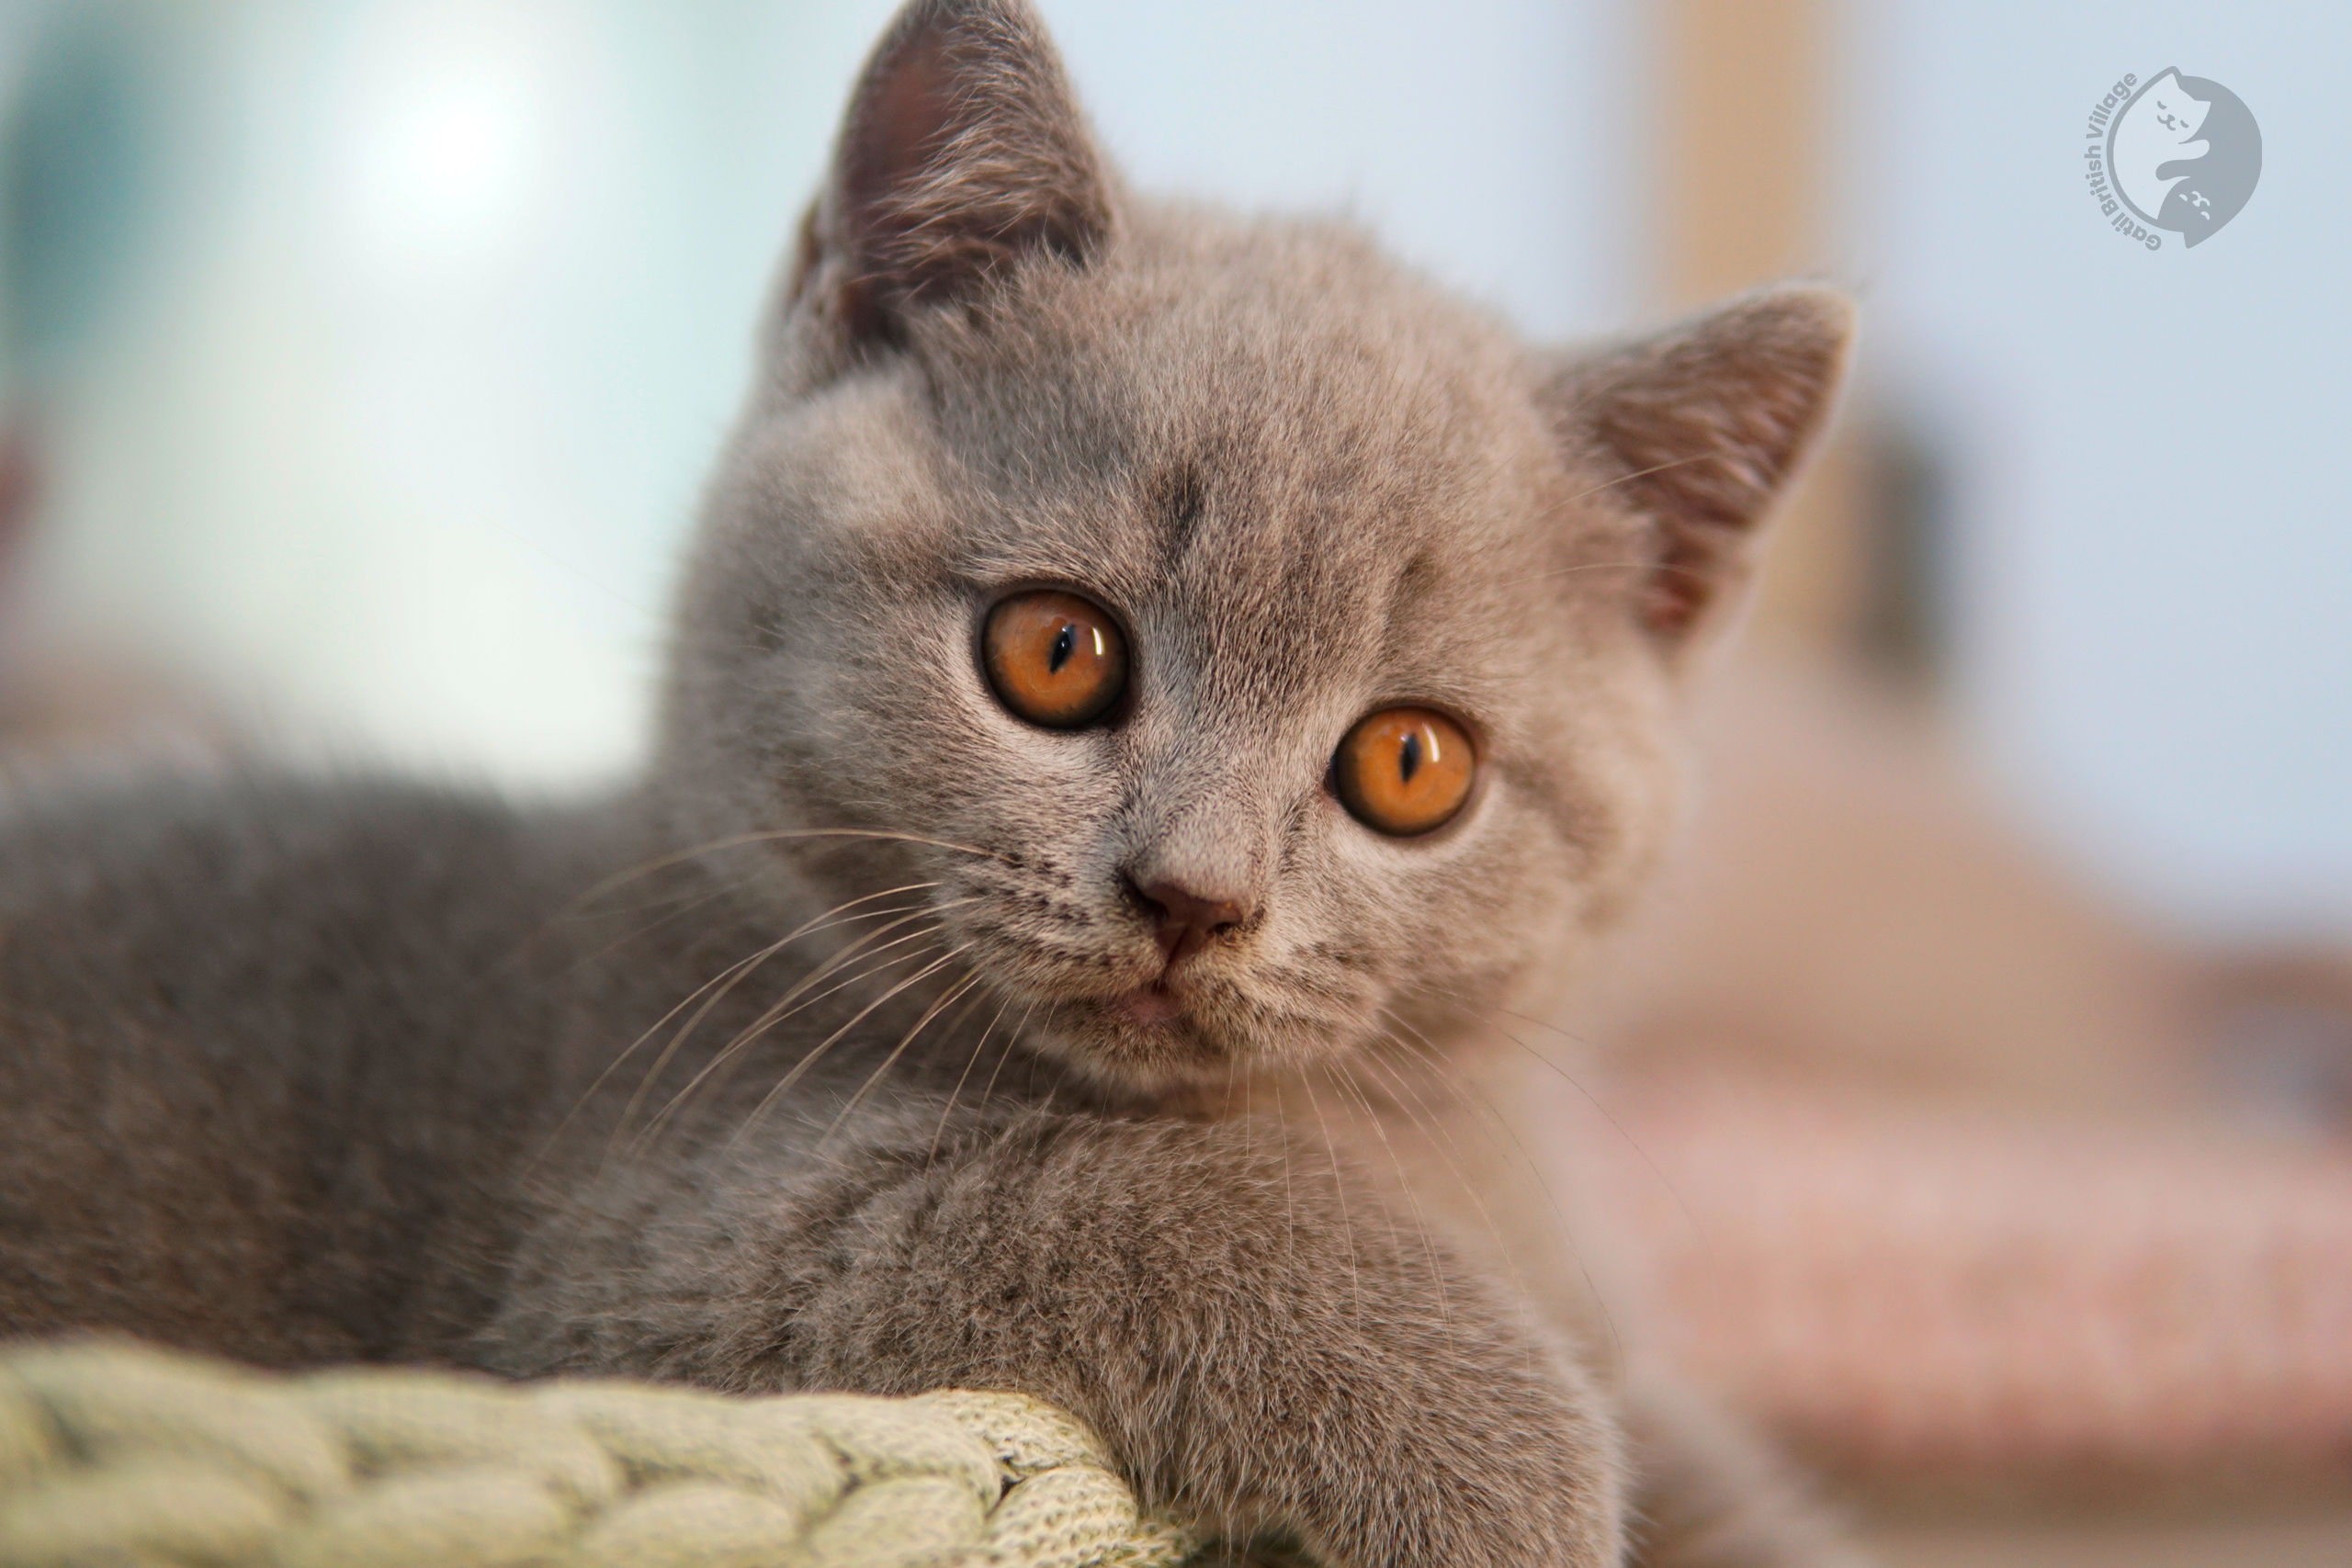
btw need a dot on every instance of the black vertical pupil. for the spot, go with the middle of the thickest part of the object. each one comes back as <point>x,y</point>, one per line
<point>1409,758</point>
<point>1064,644</point>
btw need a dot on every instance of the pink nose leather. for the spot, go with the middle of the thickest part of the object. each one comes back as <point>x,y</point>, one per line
<point>1183,920</point>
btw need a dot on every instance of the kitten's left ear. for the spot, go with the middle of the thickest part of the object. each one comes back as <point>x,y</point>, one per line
<point>963,153</point>
<point>1702,429</point>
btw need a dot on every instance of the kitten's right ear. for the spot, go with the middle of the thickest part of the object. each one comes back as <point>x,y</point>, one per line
<point>963,153</point>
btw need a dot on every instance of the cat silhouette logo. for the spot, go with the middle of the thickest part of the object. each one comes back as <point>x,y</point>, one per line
<point>2174,153</point>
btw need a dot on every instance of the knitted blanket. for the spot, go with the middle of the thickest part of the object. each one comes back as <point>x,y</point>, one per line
<point>114,1454</point>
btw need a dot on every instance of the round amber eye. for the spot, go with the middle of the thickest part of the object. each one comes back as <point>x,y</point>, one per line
<point>1405,771</point>
<point>1054,659</point>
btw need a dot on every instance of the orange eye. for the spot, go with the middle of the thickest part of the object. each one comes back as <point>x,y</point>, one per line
<point>1405,771</point>
<point>1054,659</point>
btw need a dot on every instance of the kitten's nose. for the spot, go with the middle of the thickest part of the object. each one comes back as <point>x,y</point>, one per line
<point>1185,921</point>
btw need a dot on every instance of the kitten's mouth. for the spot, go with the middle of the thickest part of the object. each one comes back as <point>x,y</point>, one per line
<point>1154,1003</point>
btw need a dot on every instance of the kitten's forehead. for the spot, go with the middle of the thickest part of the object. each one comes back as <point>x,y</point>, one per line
<point>1283,455</point>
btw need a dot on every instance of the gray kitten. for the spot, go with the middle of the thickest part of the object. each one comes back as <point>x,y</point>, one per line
<point>1133,658</point>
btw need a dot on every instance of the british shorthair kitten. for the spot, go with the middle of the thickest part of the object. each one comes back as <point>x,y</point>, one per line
<point>1137,664</point>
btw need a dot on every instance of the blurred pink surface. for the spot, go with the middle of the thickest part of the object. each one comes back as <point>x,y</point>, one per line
<point>1932,1292</point>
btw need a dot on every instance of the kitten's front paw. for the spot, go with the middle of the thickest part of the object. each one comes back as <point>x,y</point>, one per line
<point>1266,1354</point>
<point>1518,1475</point>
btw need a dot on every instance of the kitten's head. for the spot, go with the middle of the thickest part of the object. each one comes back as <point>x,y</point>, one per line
<point>1087,534</point>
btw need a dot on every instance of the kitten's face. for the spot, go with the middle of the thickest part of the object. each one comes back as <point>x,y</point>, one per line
<point>1303,488</point>
<point>1305,491</point>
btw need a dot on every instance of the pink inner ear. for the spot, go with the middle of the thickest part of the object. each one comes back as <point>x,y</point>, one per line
<point>963,154</point>
<point>902,123</point>
<point>1682,586</point>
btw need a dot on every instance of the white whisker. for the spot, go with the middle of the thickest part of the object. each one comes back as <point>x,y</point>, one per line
<point>800,1067</point>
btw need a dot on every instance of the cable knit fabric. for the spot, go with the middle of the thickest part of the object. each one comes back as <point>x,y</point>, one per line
<point>113,1453</point>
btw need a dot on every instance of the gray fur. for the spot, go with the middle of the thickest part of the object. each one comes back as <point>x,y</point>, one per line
<point>308,1072</point>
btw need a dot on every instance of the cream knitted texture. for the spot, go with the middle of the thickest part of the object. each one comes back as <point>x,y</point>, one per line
<point>115,1454</point>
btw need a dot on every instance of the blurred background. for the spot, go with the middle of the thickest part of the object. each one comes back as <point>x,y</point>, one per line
<point>1985,1072</point>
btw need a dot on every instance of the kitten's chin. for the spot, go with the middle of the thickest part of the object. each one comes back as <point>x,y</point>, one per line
<point>1155,1036</point>
<point>1146,1037</point>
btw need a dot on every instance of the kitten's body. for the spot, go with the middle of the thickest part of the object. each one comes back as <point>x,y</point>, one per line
<point>349,1107</point>
<point>300,1074</point>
